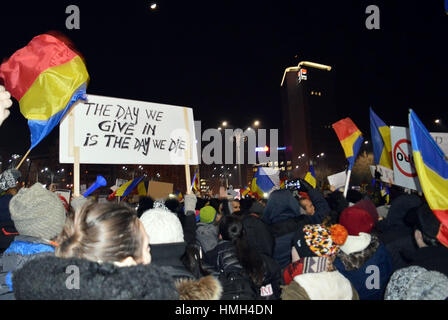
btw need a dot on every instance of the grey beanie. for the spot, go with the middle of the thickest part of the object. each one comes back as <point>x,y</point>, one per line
<point>37,212</point>
<point>417,283</point>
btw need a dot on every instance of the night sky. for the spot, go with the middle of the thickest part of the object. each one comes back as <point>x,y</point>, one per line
<point>225,59</point>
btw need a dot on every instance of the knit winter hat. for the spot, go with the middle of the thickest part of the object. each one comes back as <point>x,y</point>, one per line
<point>257,208</point>
<point>417,283</point>
<point>356,220</point>
<point>8,179</point>
<point>317,240</point>
<point>162,226</point>
<point>368,206</point>
<point>207,214</point>
<point>37,212</point>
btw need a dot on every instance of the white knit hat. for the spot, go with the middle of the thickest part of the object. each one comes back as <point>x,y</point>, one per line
<point>162,226</point>
<point>356,243</point>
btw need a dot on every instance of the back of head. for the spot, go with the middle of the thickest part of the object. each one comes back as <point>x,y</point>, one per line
<point>231,228</point>
<point>144,204</point>
<point>162,226</point>
<point>417,283</point>
<point>281,206</point>
<point>106,232</point>
<point>356,220</point>
<point>207,214</point>
<point>37,212</point>
<point>173,205</point>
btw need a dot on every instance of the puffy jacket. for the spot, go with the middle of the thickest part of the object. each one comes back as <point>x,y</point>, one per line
<point>258,235</point>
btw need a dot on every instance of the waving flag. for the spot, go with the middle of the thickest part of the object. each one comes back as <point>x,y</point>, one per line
<point>311,177</point>
<point>350,138</point>
<point>141,189</point>
<point>196,181</point>
<point>47,78</point>
<point>382,147</point>
<point>265,180</point>
<point>432,170</point>
<point>128,187</point>
<point>245,191</point>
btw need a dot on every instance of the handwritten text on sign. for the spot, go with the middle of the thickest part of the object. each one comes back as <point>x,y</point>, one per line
<point>119,131</point>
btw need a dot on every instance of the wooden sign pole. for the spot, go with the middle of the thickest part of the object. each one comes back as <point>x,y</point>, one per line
<point>187,154</point>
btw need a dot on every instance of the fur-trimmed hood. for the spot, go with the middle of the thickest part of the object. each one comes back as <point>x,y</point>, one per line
<point>356,260</point>
<point>206,288</point>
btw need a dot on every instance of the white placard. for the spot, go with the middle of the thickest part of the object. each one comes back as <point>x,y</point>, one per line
<point>405,174</point>
<point>338,180</point>
<point>119,131</point>
<point>442,140</point>
<point>387,175</point>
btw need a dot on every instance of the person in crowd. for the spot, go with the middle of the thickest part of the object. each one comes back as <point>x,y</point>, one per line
<point>258,235</point>
<point>431,254</point>
<point>5,104</point>
<point>207,228</point>
<point>417,283</point>
<point>316,206</point>
<point>236,206</point>
<point>8,189</point>
<point>312,276</point>
<point>282,214</point>
<point>244,273</point>
<point>108,248</point>
<point>39,216</point>
<point>363,251</point>
<point>144,204</point>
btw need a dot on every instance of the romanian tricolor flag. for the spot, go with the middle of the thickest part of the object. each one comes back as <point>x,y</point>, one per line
<point>382,146</point>
<point>265,179</point>
<point>350,137</point>
<point>128,187</point>
<point>311,177</point>
<point>282,183</point>
<point>180,197</point>
<point>141,189</point>
<point>432,170</point>
<point>196,181</point>
<point>245,191</point>
<point>47,78</point>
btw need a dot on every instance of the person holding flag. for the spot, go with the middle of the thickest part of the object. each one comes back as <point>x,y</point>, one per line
<point>351,140</point>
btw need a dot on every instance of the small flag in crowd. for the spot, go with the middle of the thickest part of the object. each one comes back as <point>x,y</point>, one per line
<point>265,180</point>
<point>180,196</point>
<point>141,189</point>
<point>350,138</point>
<point>382,146</point>
<point>282,183</point>
<point>432,170</point>
<point>47,78</point>
<point>196,181</point>
<point>245,191</point>
<point>311,177</point>
<point>128,187</point>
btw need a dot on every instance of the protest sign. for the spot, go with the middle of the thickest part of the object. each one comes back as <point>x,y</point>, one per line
<point>338,180</point>
<point>387,175</point>
<point>442,140</point>
<point>405,174</point>
<point>119,131</point>
<point>159,190</point>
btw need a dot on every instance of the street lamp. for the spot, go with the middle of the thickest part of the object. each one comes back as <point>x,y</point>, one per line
<point>437,121</point>
<point>256,123</point>
<point>306,64</point>
<point>224,124</point>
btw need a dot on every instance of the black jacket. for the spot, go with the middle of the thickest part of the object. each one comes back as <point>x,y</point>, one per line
<point>169,258</point>
<point>433,258</point>
<point>258,235</point>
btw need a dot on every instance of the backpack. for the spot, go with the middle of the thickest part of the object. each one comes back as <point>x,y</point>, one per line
<point>237,286</point>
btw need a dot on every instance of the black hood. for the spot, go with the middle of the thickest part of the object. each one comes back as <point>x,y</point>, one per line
<point>47,279</point>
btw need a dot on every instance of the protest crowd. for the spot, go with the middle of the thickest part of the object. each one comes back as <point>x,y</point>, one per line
<point>301,243</point>
<point>296,245</point>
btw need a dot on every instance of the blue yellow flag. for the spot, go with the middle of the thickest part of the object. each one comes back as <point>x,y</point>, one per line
<point>196,181</point>
<point>350,138</point>
<point>141,189</point>
<point>311,177</point>
<point>432,170</point>
<point>263,182</point>
<point>382,146</point>
<point>128,187</point>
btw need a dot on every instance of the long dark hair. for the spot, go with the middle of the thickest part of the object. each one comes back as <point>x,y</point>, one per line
<point>231,229</point>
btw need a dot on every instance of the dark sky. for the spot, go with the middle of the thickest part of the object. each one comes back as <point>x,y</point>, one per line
<point>225,59</point>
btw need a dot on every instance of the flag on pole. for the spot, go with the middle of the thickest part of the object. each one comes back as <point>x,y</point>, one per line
<point>196,181</point>
<point>350,138</point>
<point>141,189</point>
<point>432,170</point>
<point>311,177</point>
<point>128,187</point>
<point>382,146</point>
<point>264,181</point>
<point>47,78</point>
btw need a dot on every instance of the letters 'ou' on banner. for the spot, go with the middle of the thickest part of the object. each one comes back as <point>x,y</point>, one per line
<point>119,131</point>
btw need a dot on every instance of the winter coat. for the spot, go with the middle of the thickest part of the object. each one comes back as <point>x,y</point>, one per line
<point>432,258</point>
<point>281,206</point>
<point>356,268</point>
<point>7,234</point>
<point>322,209</point>
<point>5,215</point>
<point>21,250</point>
<point>207,236</point>
<point>320,286</point>
<point>169,258</point>
<point>258,235</point>
<point>53,278</point>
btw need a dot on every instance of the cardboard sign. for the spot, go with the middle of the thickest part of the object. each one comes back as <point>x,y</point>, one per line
<point>387,175</point>
<point>159,190</point>
<point>405,174</point>
<point>338,180</point>
<point>119,131</point>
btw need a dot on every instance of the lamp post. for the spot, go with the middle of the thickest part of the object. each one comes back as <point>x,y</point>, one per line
<point>305,64</point>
